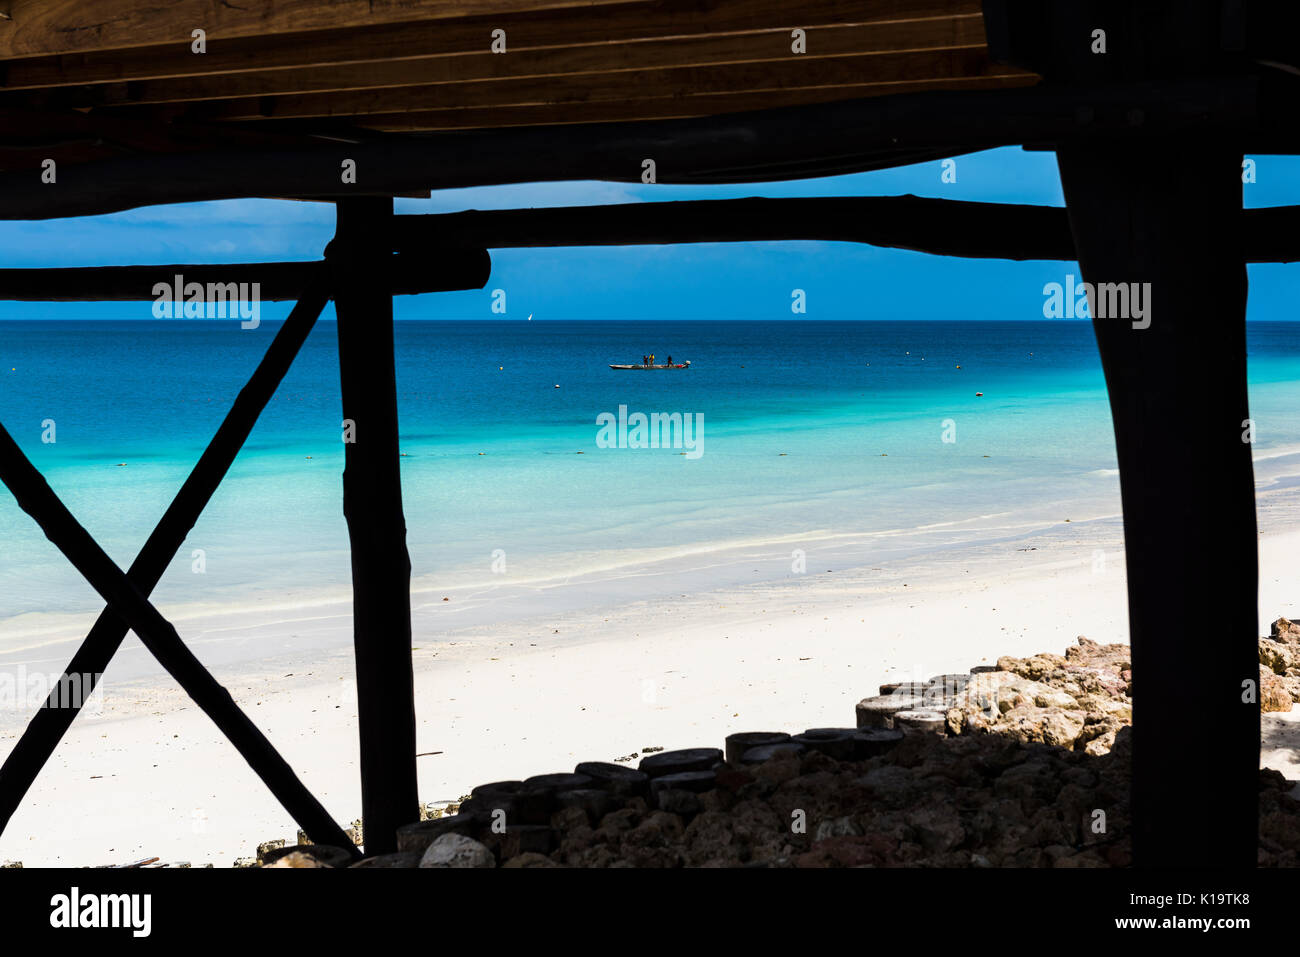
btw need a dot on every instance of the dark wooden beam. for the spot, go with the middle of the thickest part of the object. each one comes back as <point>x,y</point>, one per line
<point>73,26</point>
<point>1168,214</point>
<point>471,60</point>
<point>1144,38</point>
<point>372,504</point>
<point>29,136</point>
<point>407,276</point>
<point>753,74</point>
<point>938,226</point>
<point>1271,234</point>
<point>51,722</point>
<point>775,144</point>
<point>636,109</point>
<point>941,227</point>
<point>529,31</point>
<point>37,499</point>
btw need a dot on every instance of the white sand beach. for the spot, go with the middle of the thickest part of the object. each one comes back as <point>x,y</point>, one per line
<point>151,776</point>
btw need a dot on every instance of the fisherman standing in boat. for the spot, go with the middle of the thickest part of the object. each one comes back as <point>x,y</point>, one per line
<point>670,362</point>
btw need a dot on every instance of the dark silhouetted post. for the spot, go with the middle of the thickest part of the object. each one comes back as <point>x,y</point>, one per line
<point>1168,214</point>
<point>372,504</point>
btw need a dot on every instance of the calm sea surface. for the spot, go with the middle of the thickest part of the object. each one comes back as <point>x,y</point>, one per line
<point>810,430</point>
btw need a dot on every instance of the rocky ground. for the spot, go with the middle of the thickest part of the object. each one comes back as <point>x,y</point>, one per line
<point>1022,765</point>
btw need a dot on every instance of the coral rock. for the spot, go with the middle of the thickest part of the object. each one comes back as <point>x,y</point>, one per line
<point>457,850</point>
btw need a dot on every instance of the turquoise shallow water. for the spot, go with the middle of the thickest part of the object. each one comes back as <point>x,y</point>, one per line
<point>809,429</point>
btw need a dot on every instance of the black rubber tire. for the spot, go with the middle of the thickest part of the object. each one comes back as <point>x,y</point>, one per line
<point>878,712</point>
<point>560,782</point>
<point>686,759</point>
<point>594,801</point>
<point>615,778</point>
<point>904,687</point>
<point>931,722</point>
<point>742,741</point>
<point>418,836</point>
<point>876,741</point>
<point>696,782</point>
<point>765,752</point>
<point>402,859</point>
<point>498,787</point>
<point>835,743</point>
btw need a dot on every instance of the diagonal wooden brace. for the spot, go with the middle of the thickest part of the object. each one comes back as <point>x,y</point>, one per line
<point>51,723</point>
<point>37,499</point>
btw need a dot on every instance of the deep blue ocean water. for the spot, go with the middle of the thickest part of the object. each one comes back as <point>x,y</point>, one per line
<point>809,428</point>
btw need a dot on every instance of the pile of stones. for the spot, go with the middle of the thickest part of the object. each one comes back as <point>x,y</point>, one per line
<point>1022,764</point>
<point>1279,671</point>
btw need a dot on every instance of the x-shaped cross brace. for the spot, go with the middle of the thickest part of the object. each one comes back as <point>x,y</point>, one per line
<point>129,607</point>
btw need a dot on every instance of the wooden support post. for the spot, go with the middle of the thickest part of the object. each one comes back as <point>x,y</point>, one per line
<point>37,499</point>
<point>372,504</point>
<point>1168,214</point>
<point>51,722</point>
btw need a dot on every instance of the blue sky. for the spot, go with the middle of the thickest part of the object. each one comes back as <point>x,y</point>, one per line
<point>703,281</point>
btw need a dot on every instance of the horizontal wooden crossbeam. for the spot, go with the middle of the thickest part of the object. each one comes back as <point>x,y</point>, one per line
<point>433,270</point>
<point>771,144</point>
<point>939,226</point>
<point>942,227</point>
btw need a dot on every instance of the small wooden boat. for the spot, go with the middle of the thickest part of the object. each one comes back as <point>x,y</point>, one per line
<point>675,365</point>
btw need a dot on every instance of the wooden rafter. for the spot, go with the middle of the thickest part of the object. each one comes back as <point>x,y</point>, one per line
<point>353,68</point>
<point>869,73</point>
<point>549,39</point>
<point>40,27</point>
<point>815,140</point>
<point>589,60</point>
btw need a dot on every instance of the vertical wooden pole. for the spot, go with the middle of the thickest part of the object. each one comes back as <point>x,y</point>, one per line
<point>372,505</point>
<point>1166,213</point>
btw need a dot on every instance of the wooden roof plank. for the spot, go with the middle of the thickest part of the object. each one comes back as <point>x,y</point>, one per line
<point>895,37</point>
<point>70,26</point>
<point>556,114</point>
<point>664,83</point>
<point>531,30</point>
